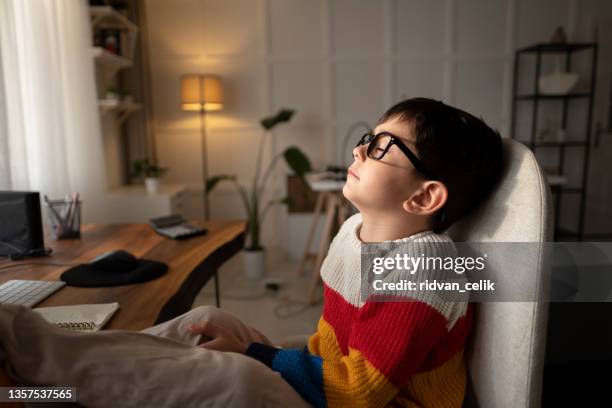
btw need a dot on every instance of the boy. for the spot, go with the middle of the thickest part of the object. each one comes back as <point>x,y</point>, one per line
<point>425,166</point>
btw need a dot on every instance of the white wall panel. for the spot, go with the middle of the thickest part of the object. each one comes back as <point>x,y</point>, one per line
<point>297,85</point>
<point>357,27</point>
<point>419,78</point>
<point>359,89</point>
<point>234,151</point>
<point>538,19</point>
<point>420,27</point>
<point>175,28</point>
<point>231,27</point>
<point>480,26</point>
<point>586,11</point>
<point>479,88</point>
<point>179,150</point>
<point>296,27</point>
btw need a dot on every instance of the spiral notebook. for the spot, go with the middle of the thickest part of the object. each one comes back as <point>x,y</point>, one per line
<point>79,317</point>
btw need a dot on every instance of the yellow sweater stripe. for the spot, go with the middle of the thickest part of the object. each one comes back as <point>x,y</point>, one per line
<point>347,384</point>
<point>324,342</point>
<point>352,383</point>
<point>441,387</point>
<point>347,380</point>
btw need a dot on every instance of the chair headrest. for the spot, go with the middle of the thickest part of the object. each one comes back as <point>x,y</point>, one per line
<point>519,208</point>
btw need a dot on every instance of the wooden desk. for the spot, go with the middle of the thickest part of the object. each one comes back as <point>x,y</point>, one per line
<point>191,263</point>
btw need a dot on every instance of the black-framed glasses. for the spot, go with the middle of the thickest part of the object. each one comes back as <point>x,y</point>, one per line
<point>380,143</point>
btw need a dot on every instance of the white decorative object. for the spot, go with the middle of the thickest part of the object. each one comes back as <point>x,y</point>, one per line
<point>254,263</point>
<point>152,184</point>
<point>556,179</point>
<point>558,82</point>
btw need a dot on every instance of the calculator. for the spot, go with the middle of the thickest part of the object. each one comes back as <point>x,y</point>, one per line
<point>175,227</point>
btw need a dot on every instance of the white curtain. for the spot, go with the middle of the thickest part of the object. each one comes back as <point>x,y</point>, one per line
<point>50,138</point>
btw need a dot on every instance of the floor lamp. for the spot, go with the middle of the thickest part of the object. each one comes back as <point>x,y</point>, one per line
<point>202,93</point>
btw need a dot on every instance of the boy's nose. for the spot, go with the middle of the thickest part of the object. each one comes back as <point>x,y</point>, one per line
<point>359,152</point>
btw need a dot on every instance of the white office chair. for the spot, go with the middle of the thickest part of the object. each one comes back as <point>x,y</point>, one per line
<point>506,353</point>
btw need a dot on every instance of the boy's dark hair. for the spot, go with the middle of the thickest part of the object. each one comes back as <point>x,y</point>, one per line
<point>464,153</point>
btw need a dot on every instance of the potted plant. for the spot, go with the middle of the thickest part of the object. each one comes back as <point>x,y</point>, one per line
<point>252,197</point>
<point>150,172</point>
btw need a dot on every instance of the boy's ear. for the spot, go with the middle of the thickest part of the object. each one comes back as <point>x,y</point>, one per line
<point>427,199</point>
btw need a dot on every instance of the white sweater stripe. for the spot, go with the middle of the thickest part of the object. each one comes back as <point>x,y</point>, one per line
<point>341,270</point>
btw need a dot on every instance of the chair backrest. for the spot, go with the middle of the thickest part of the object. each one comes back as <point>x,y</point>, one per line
<point>505,355</point>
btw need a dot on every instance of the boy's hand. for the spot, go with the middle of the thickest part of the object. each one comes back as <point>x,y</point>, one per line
<point>221,339</point>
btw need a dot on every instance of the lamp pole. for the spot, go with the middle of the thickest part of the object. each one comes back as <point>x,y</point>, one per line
<point>204,161</point>
<point>202,92</point>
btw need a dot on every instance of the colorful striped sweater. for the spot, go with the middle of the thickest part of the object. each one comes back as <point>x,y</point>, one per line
<point>374,354</point>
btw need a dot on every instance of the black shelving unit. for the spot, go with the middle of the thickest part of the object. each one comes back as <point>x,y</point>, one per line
<point>536,98</point>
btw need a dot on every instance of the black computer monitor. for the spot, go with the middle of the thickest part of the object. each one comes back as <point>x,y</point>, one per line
<point>21,232</point>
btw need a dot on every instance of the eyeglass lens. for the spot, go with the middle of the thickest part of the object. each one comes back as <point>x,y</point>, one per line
<point>376,144</point>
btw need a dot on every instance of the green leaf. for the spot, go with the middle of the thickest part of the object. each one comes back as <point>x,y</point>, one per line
<point>297,160</point>
<point>287,201</point>
<point>146,169</point>
<point>154,171</point>
<point>138,167</point>
<point>214,180</point>
<point>284,115</point>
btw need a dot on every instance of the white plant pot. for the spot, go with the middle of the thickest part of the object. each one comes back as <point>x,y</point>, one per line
<point>152,185</point>
<point>254,263</point>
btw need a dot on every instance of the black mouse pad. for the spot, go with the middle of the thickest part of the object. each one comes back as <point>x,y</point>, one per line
<point>84,275</point>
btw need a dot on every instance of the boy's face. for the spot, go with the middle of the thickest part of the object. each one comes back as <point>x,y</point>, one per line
<point>382,186</point>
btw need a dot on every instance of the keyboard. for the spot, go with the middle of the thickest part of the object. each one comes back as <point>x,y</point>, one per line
<point>28,292</point>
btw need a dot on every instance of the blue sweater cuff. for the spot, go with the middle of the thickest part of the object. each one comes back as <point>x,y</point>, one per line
<point>262,352</point>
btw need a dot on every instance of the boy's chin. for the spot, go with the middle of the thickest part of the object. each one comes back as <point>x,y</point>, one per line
<point>350,194</point>
<point>366,203</point>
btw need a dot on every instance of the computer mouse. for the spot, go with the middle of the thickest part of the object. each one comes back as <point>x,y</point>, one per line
<point>115,261</point>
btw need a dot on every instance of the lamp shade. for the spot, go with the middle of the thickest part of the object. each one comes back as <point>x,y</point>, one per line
<point>201,91</point>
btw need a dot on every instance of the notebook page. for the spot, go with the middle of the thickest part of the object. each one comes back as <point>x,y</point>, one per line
<point>89,317</point>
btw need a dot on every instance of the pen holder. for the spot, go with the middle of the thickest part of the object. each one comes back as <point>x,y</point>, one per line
<point>65,218</point>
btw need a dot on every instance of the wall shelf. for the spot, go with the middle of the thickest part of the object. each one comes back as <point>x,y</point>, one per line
<point>567,143</point>
<point>123,109</point>
<point>106,17</point>
<point>108,63</point>
<point>551,48</point>
<point>105,20</point>
<point>110,59</point>
<point>119,68</point>
<point>558,181</point>
<point>531,97</point>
